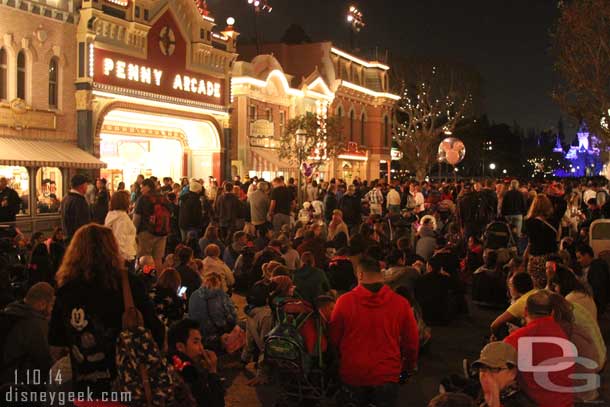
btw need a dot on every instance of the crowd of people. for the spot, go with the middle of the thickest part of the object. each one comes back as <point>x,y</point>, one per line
<point>381,264</point>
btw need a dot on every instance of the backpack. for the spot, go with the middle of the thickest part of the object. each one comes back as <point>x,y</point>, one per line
<point>498,236</point>
<point>285,348</point>
<point>159,221</point>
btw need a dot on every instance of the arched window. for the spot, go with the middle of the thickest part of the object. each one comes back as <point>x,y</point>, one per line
<point>386,131</point>
<point>53,83</point>
<point>21,75</point>
<point>351,125</point>
<point>362,128</point>
<point>340,111</point>
<point>3,81</point>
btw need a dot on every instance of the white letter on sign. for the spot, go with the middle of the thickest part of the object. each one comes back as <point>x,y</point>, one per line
<point>108,66</point>
<point>145,75</point>
<point>178,82</point>
<point>120,69</point>
<point>158,75</point>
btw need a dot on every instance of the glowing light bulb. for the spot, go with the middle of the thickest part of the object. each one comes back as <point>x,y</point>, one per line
<point>230,21</point>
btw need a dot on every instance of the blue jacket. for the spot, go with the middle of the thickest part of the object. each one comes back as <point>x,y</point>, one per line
<point>214,311</point>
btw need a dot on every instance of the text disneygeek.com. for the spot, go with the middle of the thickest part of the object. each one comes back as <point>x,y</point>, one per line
<point>62,398</point>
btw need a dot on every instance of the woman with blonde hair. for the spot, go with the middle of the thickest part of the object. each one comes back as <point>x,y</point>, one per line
<point>87,317</point>
<point>542,238</point>
<point>212,263</point>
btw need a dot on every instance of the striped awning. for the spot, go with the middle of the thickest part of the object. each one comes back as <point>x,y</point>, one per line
<point>267,160</point>
<point>35,153</point>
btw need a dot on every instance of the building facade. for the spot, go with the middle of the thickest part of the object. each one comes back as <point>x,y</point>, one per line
<point>38,143</point>
<point>263,104</point>
<point>153,89</point>
<point>360,96</point>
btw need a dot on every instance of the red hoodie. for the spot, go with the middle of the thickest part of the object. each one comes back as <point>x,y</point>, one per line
<point>376,334</point>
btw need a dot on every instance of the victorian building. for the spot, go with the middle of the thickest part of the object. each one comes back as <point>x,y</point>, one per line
<point>153,90</point>
<point>359,94</point>
<point>38,143</point>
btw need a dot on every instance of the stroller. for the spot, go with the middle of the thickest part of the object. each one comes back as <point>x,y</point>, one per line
<point>294,352</point>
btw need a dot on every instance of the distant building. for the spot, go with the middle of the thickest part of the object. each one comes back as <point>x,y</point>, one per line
<point>582,155</point>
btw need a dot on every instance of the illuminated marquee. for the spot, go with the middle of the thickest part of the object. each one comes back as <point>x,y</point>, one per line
<point>118,69</point>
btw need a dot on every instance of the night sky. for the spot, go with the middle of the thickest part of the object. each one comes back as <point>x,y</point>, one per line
<point>507,41</point>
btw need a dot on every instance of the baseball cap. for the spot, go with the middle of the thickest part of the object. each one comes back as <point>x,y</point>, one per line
<point>497,355</point>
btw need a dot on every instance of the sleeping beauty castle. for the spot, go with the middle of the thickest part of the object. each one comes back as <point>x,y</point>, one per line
<point>582,155</point>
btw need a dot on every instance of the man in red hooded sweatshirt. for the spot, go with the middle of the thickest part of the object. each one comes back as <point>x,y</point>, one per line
<point>376,334</point>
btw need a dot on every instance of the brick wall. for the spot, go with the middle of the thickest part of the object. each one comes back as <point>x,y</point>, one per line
<point>60,42</point>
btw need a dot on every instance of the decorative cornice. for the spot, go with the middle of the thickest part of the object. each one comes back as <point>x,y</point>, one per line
<point>41,10</point>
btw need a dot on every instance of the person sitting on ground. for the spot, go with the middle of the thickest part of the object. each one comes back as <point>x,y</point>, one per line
<point>213,309</point>
<point>398,274</point>
<point>539,312</point>
<point>146,271</point>
<point>338,233</point>
<point>211,237</point>
<point>432,291</point>
<point>25,347</point>
<point>595,273</point>
<point>213,264</point>
<point>310,281</point>
<point>169,300</point>
<point>264,236</point>
<point>520,287</point>
<point>289,254</point>
<point>314,243</point>
<point>564,282</point>
<point>189,276</point>
<point>426,244</point>
<point>196,365</point>
<point>489,282</point>
<point>232,252</point>
<point>376,335</point>
<point>497,368</point>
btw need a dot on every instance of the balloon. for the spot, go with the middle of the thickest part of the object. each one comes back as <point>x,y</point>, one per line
<point>451,150</point>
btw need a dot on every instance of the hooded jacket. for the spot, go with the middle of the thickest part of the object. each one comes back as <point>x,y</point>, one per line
<point>191,211</point>
<point>26,346</point>
<point>376,335</point>
<point>124,232</point>
<point>214,311</point>
<point>311,282</point>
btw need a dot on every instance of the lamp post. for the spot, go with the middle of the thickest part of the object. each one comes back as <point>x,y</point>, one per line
<point>301,140</point>
<point>258,6</point>
<point>356,21</point>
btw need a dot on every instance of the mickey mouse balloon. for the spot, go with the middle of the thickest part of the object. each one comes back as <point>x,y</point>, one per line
<point>451,150</point>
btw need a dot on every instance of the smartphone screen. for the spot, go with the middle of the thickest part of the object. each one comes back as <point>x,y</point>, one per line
<point>181,291</point>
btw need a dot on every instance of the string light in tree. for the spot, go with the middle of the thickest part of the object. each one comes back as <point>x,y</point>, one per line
<point>202,7</point>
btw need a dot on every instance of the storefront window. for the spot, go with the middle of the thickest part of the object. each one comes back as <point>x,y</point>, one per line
<point>19,180</point>
<point>49,189</point>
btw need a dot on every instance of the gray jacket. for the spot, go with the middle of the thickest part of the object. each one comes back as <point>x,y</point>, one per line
<point>259,206</point>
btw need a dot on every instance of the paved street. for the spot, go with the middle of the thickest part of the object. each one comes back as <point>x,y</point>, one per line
<point>450,345</point>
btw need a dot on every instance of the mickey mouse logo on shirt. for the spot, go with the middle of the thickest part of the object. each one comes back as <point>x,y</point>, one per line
<point>78,320</point>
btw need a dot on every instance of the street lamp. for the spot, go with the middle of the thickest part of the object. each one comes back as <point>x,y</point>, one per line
<point>301,140</point>
<point>356,21</point>
<point>492,166</point>
<point>258,6</point>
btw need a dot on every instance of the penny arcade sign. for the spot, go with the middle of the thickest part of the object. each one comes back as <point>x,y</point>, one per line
<point>164,72</point>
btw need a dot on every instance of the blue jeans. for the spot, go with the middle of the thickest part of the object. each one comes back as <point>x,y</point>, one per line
<point>516,222</point>
<point>385,395</point>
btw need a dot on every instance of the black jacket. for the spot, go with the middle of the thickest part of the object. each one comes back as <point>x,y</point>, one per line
<point>514,203</point>
<point>205,387</point>
<point>351,207</point>
<point>599,280</point>
<point>330,204</point>
<point>9,212</point>
<point>191,211</point>
<point>74,213</point>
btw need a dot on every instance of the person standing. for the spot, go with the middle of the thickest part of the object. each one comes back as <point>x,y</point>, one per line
<point>282,199</point>
<point>123,229</point>
<point>191,210</point>
<point>9,202</point>
<point>376,334</point>
<point>351,207</point>
<point>393,201</point>
<point>375,199</point>
<point>542,238</point>
<point>101,202</point>
<point>229,209</point>
<point>259,205</point>
<point>74,209</point>
<point>152,219</point>
<point>514,206</point>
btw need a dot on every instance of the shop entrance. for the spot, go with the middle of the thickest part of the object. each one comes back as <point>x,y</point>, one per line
<point>134,143</point>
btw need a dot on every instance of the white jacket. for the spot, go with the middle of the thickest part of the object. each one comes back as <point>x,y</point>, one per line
<point>124,232</point>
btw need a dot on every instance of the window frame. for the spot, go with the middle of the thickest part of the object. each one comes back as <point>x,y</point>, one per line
<point>22,75</point>
<point>3,74</point>
<point>53,95</point>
